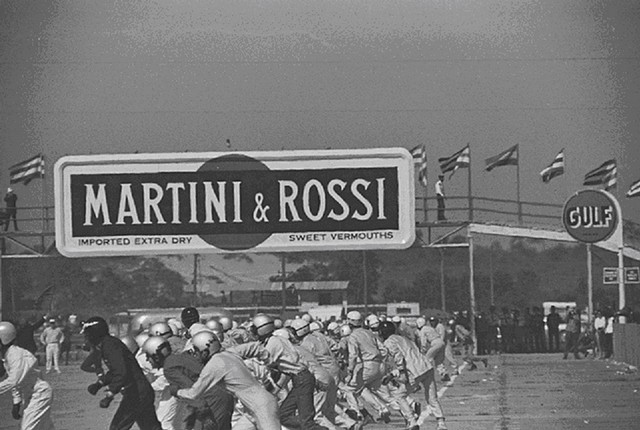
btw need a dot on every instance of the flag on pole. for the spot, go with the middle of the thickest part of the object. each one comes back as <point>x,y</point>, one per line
<point>27,170</point>
<point>634,190</point>
<point>606,174</point>
<point>506,158</point>
<point>419,154</point>
<point>556,168</point>
<point>454,162</point>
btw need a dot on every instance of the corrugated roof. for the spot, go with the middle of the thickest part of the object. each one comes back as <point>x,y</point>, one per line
<point>310,286</point>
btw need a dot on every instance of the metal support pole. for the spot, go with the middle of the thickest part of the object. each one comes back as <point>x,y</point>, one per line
<point>364,278</point>
<point>590,285</point>
<point>283,267</point>
<point>472,297</point>
<point>442,286</point>
<point>622,300</point>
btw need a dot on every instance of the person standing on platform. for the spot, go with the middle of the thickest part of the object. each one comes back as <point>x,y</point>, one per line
<point>440,198</point>
<point>10,200</point>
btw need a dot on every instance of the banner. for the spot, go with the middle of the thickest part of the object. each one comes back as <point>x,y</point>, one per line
<point>259,202</point>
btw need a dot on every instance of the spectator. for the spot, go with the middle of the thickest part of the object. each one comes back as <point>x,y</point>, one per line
<point>608,336</point>
<point>51,338</point>
<point>10,200</point>
<point>553,327</point>
<point>599,324</point>
<point>65,345</point>
<point>573,334</point>
<point>440,198</point>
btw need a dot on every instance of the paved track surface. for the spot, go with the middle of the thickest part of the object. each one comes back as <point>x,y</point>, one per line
<point>515,392</point>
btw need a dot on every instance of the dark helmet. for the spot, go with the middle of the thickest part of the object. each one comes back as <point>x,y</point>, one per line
<point>189,316</point>
<point>386,329</point>
<point>95,328</point>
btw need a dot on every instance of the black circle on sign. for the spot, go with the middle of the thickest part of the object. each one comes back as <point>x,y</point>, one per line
<point>231,163</point>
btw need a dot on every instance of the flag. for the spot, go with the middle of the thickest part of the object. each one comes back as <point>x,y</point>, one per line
<point>606,174</point>
<point>506,158</point>
<point>556,168</point>
<point>454,162</point>
<point>634,190</point>
<point>27,170</point>
<point>420,154</point>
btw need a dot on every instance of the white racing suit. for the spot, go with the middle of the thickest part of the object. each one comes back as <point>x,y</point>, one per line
<point>23,380</point>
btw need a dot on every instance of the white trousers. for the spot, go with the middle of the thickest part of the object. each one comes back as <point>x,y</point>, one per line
<point>52,352</point>
<point>37,411</point>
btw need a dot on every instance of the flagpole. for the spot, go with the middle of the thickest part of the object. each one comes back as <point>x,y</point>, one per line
<point>42,190</point>
<point>469,187</point>
<point>518,186</point>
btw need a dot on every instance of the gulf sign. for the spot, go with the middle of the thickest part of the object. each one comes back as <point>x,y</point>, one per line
<point>590,216</point>
<point>284,201</point>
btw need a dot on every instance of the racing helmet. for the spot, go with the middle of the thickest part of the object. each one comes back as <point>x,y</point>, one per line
<point>332,327</point>
<point>420,322</point>
<point>94,329</point>
<point>189,316</point>
<point>354,318</point>
<point>141,338</point>
<point>386,329</point>
<point>206,340</point>
<point>157,348</point>
<point>160,328</point>
<point>345,330</point>
<point>226,323</point>
<point>8,332</point>
<point>300,327</point>
<point>373,322</point>
<point>263,325</point>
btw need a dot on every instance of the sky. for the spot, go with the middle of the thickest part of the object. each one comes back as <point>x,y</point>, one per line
<point>93,77</point>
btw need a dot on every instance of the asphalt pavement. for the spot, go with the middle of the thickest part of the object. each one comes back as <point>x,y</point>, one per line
<point>514,392</point>
<point>538,391</point>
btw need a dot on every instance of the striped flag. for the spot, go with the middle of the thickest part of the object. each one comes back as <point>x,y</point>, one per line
<point>27,170</point>
<point>420,156</point>
<point>454,162</point>
<point>506,158</point>
<point>556,168</point>
<point>606,174</point>
<point>634,190</point>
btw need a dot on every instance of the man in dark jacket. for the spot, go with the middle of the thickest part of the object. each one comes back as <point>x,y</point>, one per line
<point>123,376</point>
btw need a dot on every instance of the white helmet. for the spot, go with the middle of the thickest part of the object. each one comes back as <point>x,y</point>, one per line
<point>307,317</point>
<point>160,329</point>
<point>314,326</point>
<point>420,322</point>
<point>396,319</point>
<point>131,343</point>
<point>300,327</point>
<point>206,340</point>
<point>354,318</point>
<point>332,327</point>
<point>196,328</point>
<point>263,325</point>
<point>373,322</point>
<point>345,330</point>
<point>226,323</point>
<point>213,325</point>
<point>8,332</point>
<point>141,338</point>
<point>157,348</point>
<point>277,323</point>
